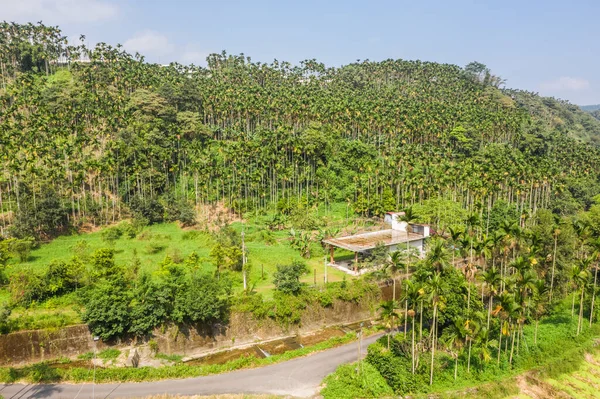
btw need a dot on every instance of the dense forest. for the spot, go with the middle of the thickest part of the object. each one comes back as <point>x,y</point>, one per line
<point>91,135</point>
<point>508,180</point>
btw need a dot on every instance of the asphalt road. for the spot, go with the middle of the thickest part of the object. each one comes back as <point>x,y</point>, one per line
<point>299,377</point>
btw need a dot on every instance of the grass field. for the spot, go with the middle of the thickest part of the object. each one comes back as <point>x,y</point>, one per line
<point>155,242</point>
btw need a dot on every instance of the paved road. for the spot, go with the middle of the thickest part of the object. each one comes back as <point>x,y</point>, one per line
<point>298,377</point>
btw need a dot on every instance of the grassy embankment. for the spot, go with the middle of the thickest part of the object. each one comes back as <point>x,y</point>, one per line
<point>59,371</point>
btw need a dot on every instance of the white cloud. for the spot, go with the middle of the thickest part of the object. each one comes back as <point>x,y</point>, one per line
<point>193,57</point>
<point>149,43</point>
<point>566,83</point>
<point>57,11</point>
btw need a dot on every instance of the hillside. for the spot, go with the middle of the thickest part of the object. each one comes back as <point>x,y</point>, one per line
<point>590,108</point>
<point>113,137</point>
<point>552,115</point>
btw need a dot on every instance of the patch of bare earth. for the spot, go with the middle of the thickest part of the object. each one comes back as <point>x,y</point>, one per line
<point>534,388</point>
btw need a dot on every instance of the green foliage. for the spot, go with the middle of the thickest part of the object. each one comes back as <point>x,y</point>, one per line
<point>40,214</point>
<point>205,300</point>
<point>170,358</point>
<point>501,212</point>
<point>107,309</point>
<point>104,266</point>
<point>4,321</point>
<point>287,277</point>
<point>179,210</point>
<point>109,354</point>
<point>21,247</point>
<point>111,234</point>
<point>347,383</point>
<point>396,370</point>
<point>149,210</point>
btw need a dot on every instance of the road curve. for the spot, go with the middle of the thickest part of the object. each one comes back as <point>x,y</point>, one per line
<point>299,377</point>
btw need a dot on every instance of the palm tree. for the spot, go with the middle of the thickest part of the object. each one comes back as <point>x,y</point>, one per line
<point>437,255</point>
<point>539,299</point>
<point>595,243</point>
<point>388,314</point>
<point>434,285</point>
<point>455,235</point>
<point>580,277</point>
<point>555,234</point>
<point>455,340</point>
<point>395,263</point>
<point>491,278</point>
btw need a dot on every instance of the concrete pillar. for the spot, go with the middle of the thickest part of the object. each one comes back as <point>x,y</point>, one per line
<point>355,262</point>
<point>331,250</point>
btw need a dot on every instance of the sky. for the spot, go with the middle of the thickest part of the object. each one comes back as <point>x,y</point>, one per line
<point>550,46</point>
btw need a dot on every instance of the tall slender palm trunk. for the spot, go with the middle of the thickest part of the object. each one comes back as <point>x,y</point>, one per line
<point>593,295</point>
<point>433,334</point>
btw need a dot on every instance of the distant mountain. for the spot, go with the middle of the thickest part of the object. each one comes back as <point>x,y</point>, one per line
<point>590,108</point>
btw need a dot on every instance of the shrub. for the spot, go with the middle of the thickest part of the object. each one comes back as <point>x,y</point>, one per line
<point>147,209</point>
<point>109,354</point>
<point>111,234</point>
<point>287,277</point>
<point>190,235</point>
<point>128,229</point>
<point>107,309</point>
<point>22,247</point>
<point>179,210</point>
<point>347,383</point>
<point>154,248</point>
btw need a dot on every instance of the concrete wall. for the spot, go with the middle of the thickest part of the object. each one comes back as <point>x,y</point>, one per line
<point>34,346</point>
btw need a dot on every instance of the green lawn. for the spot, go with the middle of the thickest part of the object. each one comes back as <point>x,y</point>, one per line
<point>156,242</point>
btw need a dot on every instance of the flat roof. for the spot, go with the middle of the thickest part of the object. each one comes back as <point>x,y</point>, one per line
<point>365,241</point>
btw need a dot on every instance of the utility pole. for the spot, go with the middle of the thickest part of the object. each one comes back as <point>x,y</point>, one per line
<point>359,334</point>
<point>244,258</point>
<point>94,361</point>
<point>325,258</point>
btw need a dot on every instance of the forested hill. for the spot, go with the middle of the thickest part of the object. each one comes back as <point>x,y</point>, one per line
<point>590,108</point>
<point>552,115</point>
<point>93,135</point>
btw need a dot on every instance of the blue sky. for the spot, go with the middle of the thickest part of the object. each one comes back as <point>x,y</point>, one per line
<point>548,46</point>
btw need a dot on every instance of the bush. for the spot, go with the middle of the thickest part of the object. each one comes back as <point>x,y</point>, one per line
<point>147,209</point>
<point>22,247</point>
<point>111,234</point>
<point>287,277</point>
<point>154,248</point>
<point>190,235</point>
<point>109,354</point>
<point>128,229</point>
<point>347,383</point>
<point>179,210</point>
<point>107,309</point>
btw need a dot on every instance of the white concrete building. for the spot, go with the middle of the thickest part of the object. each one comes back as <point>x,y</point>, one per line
<point>398,237</point>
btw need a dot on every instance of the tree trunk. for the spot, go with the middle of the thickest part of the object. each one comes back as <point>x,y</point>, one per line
<point>500,344</point>
<point>593,296</point>
<point>490,310</point>
<point>413,345</point>
<point>421,322</point>
<point>512,347</point>
<point>455,367</point>
<point>433,327</point>
<point>580,318</point>
<point>469,357</point>
<point>553,266</point>
<point>405,315</point>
